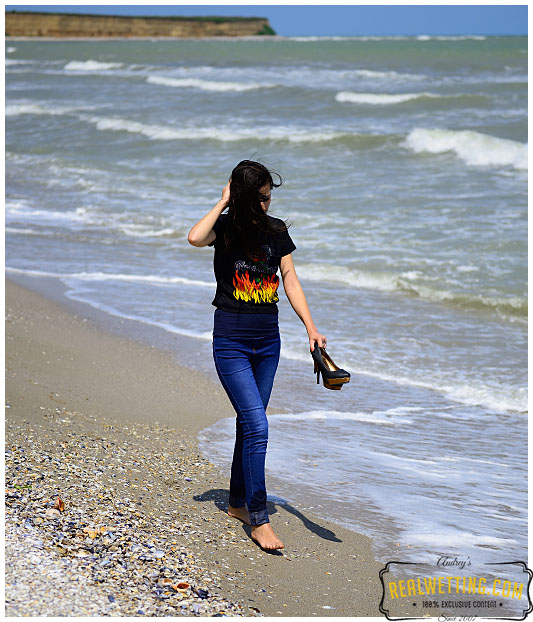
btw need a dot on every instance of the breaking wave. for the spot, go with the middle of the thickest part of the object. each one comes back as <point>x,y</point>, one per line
<point>90,65</point>
<point>509,308</point>
<point>474,148</point>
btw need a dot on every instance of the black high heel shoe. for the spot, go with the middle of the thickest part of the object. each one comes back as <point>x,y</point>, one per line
<point>333,377</point>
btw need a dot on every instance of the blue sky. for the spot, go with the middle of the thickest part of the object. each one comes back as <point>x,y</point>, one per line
<point>342,20</point>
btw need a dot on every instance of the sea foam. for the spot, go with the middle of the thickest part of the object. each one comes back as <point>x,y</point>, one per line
<point>90,65</point>
<point>162,132</point>
<point>15,109</point>
<point>450,37</point>
<point>206,85</point>
<point>380,99</point>
<point>19,210</point>
<point>390,417</point>
<point>106,276</point>
<point>18,61</point>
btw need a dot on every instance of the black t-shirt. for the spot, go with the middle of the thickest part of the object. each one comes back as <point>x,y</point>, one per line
<point>244,284</point>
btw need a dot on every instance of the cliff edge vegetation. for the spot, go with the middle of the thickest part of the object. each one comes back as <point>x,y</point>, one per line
<point>36,24</point>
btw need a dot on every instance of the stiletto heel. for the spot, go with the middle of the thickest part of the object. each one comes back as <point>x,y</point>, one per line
<point>333,377</point>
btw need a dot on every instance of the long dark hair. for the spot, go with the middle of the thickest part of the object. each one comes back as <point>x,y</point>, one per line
<point>248,224</point>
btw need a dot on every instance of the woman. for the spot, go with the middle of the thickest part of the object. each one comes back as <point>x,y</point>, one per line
<point>250,246</point>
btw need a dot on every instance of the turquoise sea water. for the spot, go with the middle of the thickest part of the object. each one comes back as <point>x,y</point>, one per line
<point>405,162</point>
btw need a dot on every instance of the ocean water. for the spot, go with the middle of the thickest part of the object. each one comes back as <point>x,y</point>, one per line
<point>405,166</point>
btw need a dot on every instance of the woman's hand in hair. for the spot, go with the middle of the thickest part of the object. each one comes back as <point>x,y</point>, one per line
<point>202,233</point>
<point>226,192</point>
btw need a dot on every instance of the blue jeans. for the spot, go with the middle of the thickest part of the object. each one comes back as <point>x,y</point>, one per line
<point>246,349</point>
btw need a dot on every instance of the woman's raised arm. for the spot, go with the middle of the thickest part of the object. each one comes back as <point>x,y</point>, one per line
<point>202,234</point>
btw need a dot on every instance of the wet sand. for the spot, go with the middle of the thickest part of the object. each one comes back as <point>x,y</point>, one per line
<point>69,381</point>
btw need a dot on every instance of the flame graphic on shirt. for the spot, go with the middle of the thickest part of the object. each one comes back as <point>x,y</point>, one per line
<point>259,289</point>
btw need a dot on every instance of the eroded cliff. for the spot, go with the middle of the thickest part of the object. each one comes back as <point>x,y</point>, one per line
<point>35,24</point>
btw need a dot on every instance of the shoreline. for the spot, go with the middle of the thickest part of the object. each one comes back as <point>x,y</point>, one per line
<point>69,381</point>
<point>179,346</point>
<point>420,38</point>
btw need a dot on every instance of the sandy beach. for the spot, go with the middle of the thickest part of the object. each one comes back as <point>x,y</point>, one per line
<point>109,425</point>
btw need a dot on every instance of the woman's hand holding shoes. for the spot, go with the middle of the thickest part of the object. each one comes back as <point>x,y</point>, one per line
<point>314,335</point>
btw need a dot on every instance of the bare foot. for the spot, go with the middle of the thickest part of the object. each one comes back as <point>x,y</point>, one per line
<point>240,513</point>
<point>266,538</point>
